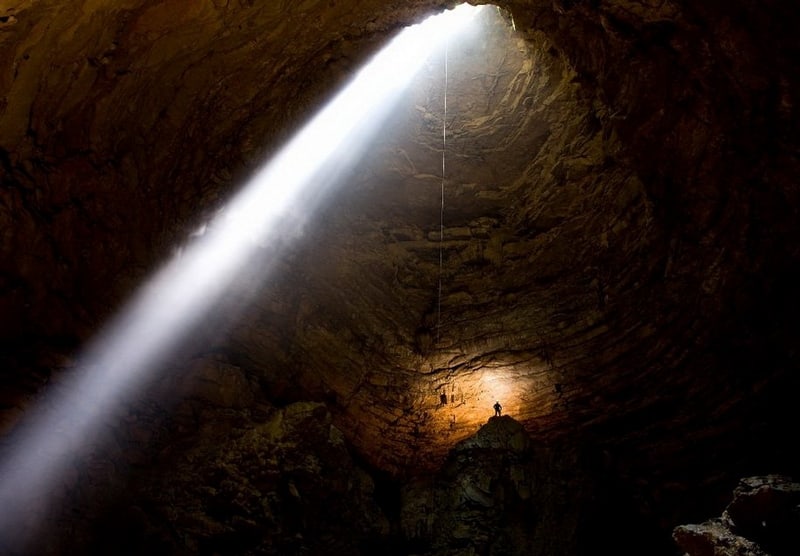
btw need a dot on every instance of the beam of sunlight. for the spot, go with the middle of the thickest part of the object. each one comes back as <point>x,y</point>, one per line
<point>68,422</point>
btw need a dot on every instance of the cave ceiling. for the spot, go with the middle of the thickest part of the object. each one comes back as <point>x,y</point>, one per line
<point>618,234</point>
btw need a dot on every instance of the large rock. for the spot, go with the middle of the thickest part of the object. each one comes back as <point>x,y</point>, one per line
<point>497,494</point>
<point>767,510</point>
<point>763,518</point>
<point>714,538</point>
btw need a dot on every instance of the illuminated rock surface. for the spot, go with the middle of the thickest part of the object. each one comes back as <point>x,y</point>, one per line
<point>620,247</point>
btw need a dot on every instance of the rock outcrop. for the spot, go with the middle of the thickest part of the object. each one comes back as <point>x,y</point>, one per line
<point>497,494</point>
<point>762,519</point>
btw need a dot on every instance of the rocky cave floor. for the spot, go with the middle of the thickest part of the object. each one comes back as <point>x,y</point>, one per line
<point>225,480</point>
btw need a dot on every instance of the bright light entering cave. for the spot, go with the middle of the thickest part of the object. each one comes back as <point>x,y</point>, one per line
<point>70,421</point>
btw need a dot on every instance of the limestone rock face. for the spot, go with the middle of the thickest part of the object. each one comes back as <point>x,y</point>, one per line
<point>496,494</point>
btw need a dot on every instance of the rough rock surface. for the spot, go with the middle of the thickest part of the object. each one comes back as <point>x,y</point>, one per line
<point>285,486</point>
<point>714,538</point>
<point>281,481</point>
<point>621,246</point>
<point>498,493</point>
<point>274,481</point>
<point>763,518</point>
<point>619,207</point>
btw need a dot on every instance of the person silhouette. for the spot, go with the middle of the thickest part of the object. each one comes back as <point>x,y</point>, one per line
<point>497,409</point>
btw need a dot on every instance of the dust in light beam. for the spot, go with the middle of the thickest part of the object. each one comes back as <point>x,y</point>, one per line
<point>68,424</point>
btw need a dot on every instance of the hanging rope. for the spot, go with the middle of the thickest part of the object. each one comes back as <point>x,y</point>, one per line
<point>441,208</point>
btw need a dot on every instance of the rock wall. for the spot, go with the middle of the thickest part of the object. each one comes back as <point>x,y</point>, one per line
<point>620,245</point>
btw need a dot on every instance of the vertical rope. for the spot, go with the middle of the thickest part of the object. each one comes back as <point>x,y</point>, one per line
<point>441,208</point>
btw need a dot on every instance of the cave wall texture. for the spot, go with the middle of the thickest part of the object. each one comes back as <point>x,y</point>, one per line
<point>620,251</point>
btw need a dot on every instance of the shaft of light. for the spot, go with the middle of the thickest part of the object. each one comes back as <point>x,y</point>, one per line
<point>68,423</point>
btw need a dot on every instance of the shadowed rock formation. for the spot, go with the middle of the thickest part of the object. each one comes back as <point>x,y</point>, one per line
<point>762,518</point>
<point>497,494</point>
<point>276,481</point>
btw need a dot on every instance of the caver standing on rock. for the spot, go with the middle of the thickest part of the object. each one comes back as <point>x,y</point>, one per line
<point>497,409</point>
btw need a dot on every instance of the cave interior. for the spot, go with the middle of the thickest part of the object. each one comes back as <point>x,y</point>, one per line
<point>585,210</point>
